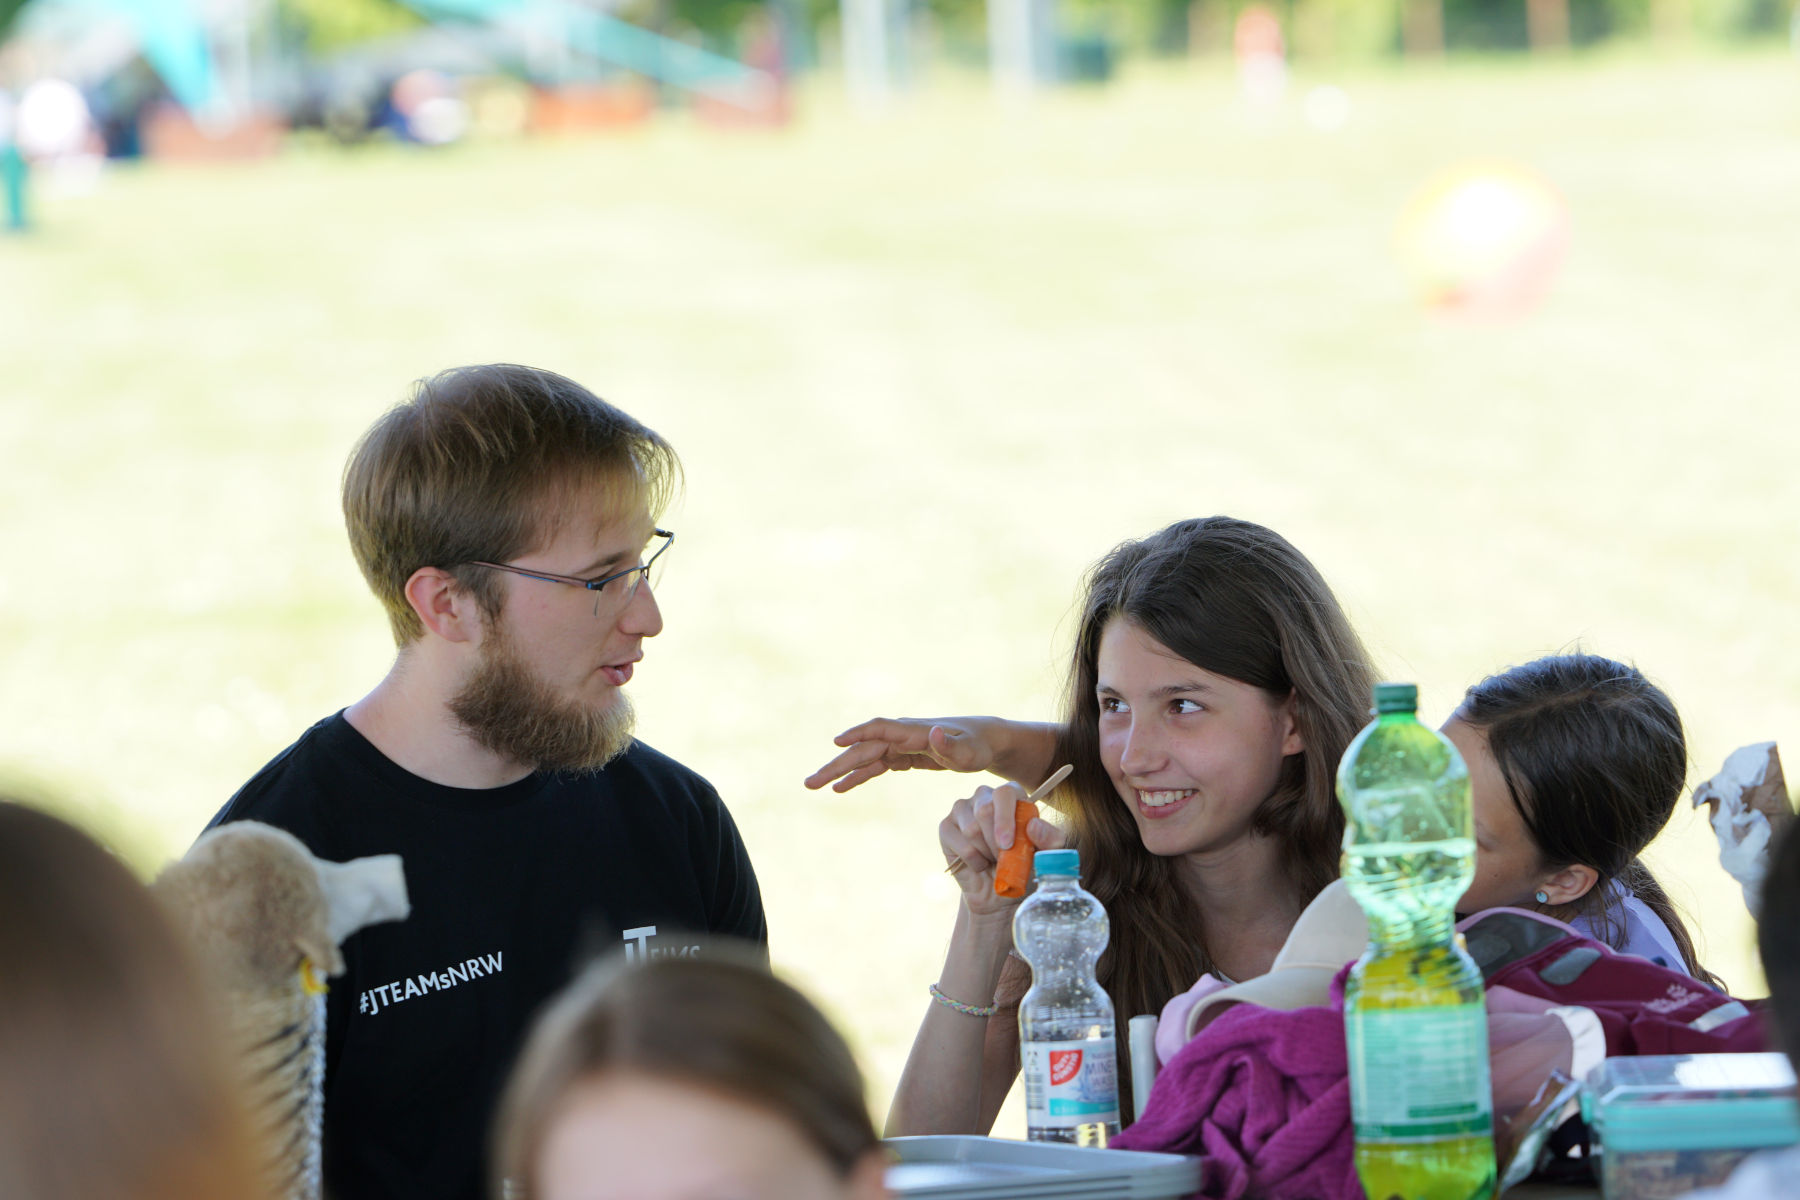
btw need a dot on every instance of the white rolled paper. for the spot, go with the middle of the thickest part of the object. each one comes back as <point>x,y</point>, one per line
<point>1143,1062</point>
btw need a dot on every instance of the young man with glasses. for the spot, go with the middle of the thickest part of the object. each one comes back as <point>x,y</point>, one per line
<point>507,520</point>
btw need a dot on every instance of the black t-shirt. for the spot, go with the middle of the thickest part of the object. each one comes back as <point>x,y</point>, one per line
<point>512,888</point>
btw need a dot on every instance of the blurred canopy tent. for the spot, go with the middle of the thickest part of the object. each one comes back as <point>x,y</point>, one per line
<point>200,48</point>
<point>176,37</point>
<point>598,34</point>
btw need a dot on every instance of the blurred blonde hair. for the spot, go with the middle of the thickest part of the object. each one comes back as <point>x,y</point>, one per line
<point>112,1080</point>
<point>719,1021</point>
<point>483,462</point>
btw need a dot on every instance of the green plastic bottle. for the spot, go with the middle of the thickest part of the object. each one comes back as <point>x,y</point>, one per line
<point>1415,1018</point>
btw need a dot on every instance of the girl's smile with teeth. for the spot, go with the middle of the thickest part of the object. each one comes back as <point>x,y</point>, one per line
<point>1163,796</point>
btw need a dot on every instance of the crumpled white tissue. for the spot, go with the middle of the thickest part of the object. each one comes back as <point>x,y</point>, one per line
<point>1739,817</point>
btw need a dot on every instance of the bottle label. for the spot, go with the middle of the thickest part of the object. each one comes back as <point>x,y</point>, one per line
<point>1069,1084</point>
<point>1419,1072</point>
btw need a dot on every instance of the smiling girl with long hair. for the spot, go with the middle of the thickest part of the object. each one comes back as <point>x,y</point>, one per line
<point>1215,682</point>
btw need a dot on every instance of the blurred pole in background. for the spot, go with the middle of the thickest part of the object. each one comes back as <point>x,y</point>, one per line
<point>231,41</point>
<point>1021,46</point>
<point>875,38</point>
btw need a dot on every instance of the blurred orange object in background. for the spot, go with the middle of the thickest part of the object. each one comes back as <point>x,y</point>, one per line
<point>1484,239</point>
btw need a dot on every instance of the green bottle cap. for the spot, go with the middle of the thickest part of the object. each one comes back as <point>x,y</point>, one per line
<point>1396,697</point>
<point>1055,862</point>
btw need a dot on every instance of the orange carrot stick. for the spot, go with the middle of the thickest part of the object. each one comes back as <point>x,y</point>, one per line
<point>1013,871</point>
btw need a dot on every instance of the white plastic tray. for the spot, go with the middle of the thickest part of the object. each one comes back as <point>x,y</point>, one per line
<point>978,1168</point>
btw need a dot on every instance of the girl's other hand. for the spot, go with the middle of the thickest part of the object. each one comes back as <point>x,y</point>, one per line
<point>908,743</point>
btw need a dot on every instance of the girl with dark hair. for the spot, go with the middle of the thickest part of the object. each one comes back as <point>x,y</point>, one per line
<point>671,1078</point>
<point>1214,686</point>
<point>1575,765</point>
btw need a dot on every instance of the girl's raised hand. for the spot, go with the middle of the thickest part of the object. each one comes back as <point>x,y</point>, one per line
<point>908,743</point>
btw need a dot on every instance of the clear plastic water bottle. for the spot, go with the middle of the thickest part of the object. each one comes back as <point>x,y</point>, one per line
<point>1415,1015</point>
<point>1066,1039</point>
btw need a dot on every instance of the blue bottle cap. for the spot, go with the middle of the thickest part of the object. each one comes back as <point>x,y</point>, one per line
<point>1055,862</point>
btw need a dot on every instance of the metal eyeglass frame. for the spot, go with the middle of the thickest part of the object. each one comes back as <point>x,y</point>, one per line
<point>642,571</point>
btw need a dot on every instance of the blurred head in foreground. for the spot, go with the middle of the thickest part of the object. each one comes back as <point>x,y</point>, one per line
<point>112,1081</point>
<point>686,1079</point>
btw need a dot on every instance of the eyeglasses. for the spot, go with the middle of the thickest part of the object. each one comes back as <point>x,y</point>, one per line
<point>628,580</point>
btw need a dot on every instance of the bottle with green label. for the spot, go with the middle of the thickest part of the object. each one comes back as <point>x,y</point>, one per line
<point>1415,1019</point>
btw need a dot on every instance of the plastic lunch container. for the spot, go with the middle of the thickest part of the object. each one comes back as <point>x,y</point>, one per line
<point>946,1167</point>
<point>1663,1125</point>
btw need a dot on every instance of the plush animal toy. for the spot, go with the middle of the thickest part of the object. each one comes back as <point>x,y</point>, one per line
<point>265,918</point>
<point>1750,808</point>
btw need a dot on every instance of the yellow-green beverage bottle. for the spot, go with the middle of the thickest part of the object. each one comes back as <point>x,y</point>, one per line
<point>1415,1019</point>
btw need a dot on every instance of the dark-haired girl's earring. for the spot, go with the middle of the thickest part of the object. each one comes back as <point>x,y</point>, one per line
<point>1542,896</point>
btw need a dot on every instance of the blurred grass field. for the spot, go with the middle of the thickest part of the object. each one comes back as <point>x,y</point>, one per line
<point>922,372</point>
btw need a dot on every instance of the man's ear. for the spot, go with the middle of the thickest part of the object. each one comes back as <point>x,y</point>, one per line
<point>1291,740</point>
<point>443,606</point>
<point>1570,884</point>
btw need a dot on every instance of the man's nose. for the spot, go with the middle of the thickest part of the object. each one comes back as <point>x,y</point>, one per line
<point>643,616</point>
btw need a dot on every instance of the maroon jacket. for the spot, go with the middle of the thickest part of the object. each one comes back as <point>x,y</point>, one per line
<point>1644,1007</point>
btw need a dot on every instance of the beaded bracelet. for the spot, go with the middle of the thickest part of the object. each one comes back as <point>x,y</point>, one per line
<point>968,1010</point>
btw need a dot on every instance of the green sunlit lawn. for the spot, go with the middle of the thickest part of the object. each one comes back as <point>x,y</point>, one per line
<point>923,371</point>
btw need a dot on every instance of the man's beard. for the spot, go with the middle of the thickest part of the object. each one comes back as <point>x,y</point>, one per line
<point>514,714</point>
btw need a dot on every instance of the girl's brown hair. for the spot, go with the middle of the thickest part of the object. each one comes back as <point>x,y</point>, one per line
<point>1595,758</point>
<point>1238,600</point>
<point>112,1079</point>
<point>718,1020</point>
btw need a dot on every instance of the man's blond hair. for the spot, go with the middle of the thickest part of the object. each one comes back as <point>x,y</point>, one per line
<point>484,462</point>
